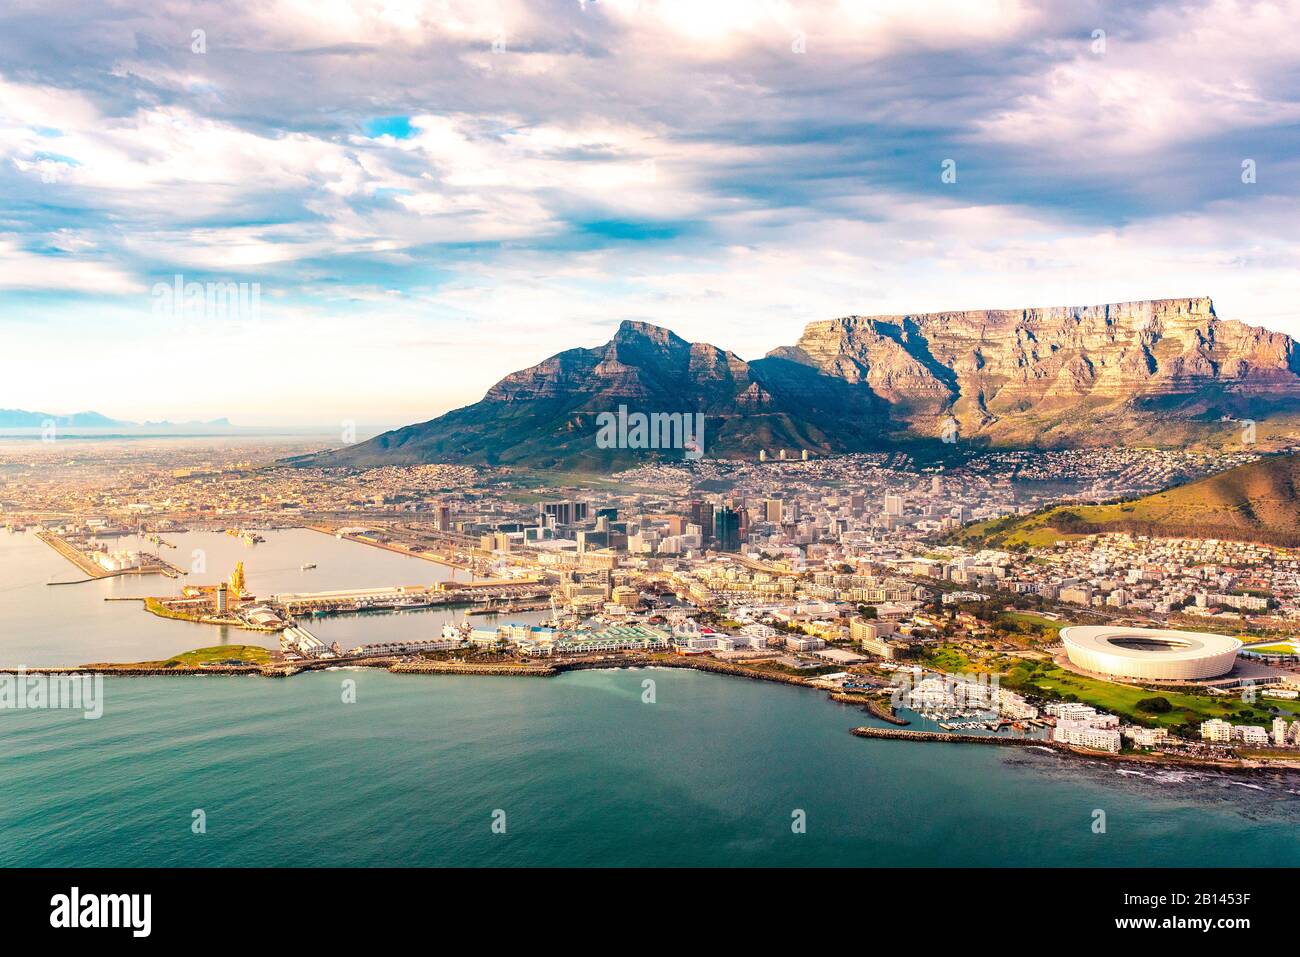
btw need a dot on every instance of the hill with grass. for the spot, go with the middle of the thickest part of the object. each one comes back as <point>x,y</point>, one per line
<point>1255,502</point>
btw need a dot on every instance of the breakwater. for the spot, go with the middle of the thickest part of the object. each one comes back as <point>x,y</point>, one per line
<point>1164,760</point>
<point>875,707</point>
<point>455,668</point>
<point>946,736</point>
<point>723,668</point>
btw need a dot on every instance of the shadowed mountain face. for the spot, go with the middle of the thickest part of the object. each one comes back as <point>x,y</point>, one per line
<point>1156,372</point>
<point>546,416</point>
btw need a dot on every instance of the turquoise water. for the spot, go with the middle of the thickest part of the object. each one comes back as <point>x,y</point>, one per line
<point>710,774</point>
<point>586,773</point>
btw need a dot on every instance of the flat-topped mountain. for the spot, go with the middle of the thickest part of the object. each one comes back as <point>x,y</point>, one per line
<point>1156,372</point>
<point>1061,376</point>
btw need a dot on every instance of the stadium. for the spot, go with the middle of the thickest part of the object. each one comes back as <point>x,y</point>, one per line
<point>1149,654</point>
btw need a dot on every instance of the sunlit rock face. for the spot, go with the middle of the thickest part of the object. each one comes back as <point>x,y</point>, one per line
<point>1057,373</point>
<point>1165,371</point>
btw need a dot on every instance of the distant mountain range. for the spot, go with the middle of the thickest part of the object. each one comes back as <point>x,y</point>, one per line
<point>1255,502</point>
<point>22,419</point>
<point>1160,372</point>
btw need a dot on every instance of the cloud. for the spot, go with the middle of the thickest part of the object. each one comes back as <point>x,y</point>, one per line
<point>63,269</point>
<point>503,179</point>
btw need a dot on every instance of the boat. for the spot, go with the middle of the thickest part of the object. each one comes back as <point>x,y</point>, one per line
<point>307,566</point>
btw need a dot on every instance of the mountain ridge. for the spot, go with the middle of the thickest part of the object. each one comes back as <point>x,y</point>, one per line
<point>1147,372</point>
<point>25,419</point>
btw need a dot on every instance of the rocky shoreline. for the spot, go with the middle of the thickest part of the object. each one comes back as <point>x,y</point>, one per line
<point>1149,760</point>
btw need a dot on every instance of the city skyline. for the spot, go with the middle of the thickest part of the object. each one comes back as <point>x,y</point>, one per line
<point>430,196</point>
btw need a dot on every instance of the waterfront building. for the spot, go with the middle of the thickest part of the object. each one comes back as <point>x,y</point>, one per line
<point>1216,731</point>
<point>1253,735</point>
<point>1279,732</point>
<point>1145,737</point>
<point>1086,734</point>
<point>1071,710</point>
<point>1012,705</point>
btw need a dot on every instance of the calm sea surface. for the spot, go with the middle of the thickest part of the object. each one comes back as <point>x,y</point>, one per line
<point>580,769</point>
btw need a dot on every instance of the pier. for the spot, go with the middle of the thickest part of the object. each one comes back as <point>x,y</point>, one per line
<point>93,570</point>
<point>403,597</point>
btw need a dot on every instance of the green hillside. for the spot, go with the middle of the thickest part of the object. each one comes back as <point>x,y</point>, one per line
<point>1256,502</point>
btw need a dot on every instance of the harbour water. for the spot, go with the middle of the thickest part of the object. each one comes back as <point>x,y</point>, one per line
<point>716,771</point>
<point>45,625</point>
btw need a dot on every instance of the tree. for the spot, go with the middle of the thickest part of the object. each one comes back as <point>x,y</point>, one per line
<point>1158,705</point>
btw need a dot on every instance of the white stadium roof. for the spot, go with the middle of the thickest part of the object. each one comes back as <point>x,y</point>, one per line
<point>1149,653</point>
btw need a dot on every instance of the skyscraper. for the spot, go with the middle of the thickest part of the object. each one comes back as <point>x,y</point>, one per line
<point>726,529</point>
<point>563,513</point>
<point>702,515</point>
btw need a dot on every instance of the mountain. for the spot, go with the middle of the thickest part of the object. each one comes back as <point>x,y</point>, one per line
<point>1144,372</point>
<point>546,415</point>
<point>1255,502</point>
<point>221,423</point>
<point>1154,372</point>
<point>22,419</point>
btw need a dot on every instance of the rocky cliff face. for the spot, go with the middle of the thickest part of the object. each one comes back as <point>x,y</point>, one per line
<point>1036,374</point>
<point>546,415</point>
<point>1155,372</point>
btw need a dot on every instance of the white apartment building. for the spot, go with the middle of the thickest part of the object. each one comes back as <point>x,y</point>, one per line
<point>1085,734</point>
<point>1217,731</point>
<point>1145,737</point>
<point>1071,710</point>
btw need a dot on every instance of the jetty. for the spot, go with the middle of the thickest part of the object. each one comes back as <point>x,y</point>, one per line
<point>898,734</point>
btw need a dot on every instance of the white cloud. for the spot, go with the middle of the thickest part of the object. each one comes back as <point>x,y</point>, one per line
<point>1210,69</point>
<point>23,270</point>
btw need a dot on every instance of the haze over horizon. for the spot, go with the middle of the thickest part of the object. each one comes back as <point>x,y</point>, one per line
<point>433,195</point>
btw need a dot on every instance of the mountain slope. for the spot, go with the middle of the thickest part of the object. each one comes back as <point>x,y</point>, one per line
<point>1257,502</point>
<point>1162,372</point>
<point>545,416</point>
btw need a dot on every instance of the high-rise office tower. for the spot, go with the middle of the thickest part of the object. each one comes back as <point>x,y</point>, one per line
<point>726,529</point>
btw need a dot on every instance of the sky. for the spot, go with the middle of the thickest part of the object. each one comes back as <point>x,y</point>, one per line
<point>422,197</point>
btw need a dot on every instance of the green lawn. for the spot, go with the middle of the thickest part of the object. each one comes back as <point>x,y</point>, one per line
<point>1122,700</point>
<point>1279,649</point>
<point>222,654</point>
<point>951,659</point>
<point>218,654</point>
